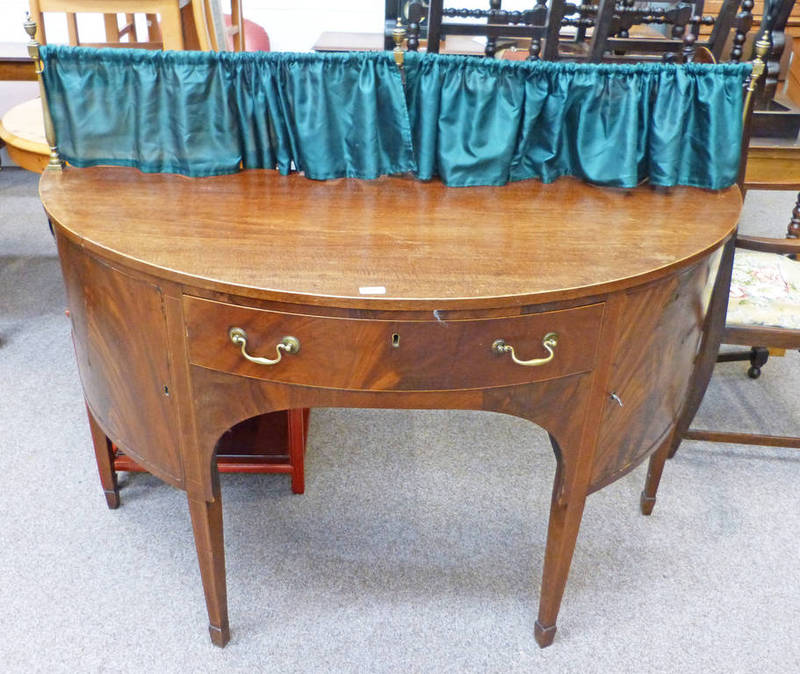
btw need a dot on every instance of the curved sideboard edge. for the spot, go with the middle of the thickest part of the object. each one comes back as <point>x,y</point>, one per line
<point>287,295</point>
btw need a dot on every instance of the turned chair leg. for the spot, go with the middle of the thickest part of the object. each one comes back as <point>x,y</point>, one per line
<point>105,462</point>
<point>758,358</point>
<point>793,230</point>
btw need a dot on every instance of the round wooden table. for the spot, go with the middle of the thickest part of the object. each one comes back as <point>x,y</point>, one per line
<point>197,303</point>
<point>22,128</point>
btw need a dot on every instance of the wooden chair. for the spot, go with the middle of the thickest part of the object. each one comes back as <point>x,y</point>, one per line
<point>168,33</point>
<point>763,308</point>
<point>601,32</point>
<point>774,117</point>
<point>776,122</point>
<point>758,303</point>
<point>539,26</point>
<point>612,23</point>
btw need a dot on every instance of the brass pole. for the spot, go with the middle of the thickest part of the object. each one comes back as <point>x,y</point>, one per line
<point>55,163</point>
<point>759,66</point>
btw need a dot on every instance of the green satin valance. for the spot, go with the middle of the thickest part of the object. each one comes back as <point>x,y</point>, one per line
<point>484,121</point>
<point>470,121</point>
<point>205,113</point>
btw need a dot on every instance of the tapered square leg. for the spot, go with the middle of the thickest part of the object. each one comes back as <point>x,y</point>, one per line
<point>105,462</point>
<point>544,635</point>
<point>654,470</point>
<point>208,539</point>
<point>566,511</point>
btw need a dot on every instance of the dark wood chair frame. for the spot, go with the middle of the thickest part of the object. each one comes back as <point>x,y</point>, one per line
<point>609,20</point>
<point>540,24</point>
<point>777,337</point>
<point>612,21</point>
<point>744,336</point>
<point>774,116</point>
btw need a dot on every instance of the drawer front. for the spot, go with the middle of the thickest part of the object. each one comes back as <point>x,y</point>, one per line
<point>385,355</point>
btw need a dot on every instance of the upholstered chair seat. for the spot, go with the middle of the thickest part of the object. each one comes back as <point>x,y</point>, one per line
<point>765,290</point>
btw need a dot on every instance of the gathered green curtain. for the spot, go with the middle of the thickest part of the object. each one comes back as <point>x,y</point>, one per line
<point>470,121</point>
<point>207,113</point>
<point>484,121</point>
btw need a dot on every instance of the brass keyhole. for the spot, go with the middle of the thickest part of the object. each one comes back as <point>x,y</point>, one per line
<point>395,340</point>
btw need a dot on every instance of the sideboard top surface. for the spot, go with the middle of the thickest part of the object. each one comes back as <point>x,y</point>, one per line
<point>391,242</point>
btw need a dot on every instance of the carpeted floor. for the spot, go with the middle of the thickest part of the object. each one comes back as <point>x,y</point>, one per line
<point>417,546</point>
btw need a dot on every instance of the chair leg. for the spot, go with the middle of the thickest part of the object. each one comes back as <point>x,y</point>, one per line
<point>757,355</point>
<point>206,35</point>
<point>793,230</point>
<point>112,27</point>
<point>758,358</point>
<point>654,470</point>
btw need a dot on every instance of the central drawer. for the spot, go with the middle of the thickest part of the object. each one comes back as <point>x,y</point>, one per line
<point>387,355</point>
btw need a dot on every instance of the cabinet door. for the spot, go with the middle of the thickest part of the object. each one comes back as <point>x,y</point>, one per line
<point>120,336</point>
<point>660,335</point>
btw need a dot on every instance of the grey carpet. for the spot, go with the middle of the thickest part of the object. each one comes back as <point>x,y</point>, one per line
<point>417,546</point>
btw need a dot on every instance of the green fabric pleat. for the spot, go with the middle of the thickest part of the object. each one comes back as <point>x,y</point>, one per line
<point>207,113</point>
<point>469,121</point>
<point>487,122</point>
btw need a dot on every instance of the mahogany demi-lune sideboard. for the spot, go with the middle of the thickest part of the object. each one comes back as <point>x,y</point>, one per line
<point>197,303</point>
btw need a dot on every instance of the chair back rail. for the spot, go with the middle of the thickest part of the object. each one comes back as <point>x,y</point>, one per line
<point>612,22</point>
<point>167,34</point>
<point>540,24</point>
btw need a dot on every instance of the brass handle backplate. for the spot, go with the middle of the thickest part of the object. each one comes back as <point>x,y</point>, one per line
<point>287,344</point>
<point>549,342</point>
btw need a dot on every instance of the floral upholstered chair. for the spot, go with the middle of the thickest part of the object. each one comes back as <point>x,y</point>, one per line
<point>765,291</point>
<point>763,309</point>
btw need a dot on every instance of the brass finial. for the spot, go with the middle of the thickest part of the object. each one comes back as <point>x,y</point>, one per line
<point>33,45</point>
<point>30,27</point>
<point>399,36</point>
<point>54,163</point>
<point>763,46</point>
